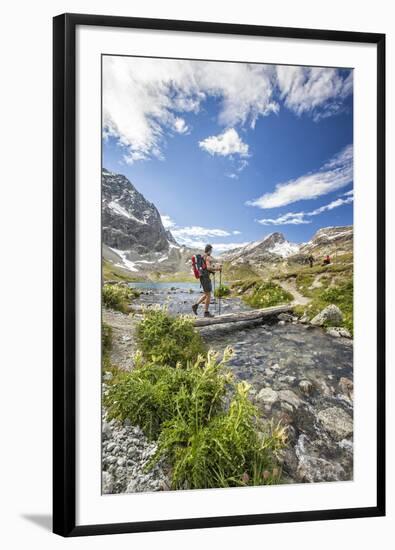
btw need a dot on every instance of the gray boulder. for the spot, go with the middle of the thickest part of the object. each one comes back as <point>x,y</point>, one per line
<point>267,396</point>
<point>338,332</point>
<point>330,314</point>
<point>337,422</point>
<point>304,319</point>
<point>289,397</point>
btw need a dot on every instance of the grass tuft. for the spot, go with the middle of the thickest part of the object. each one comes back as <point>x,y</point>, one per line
<point>222,291</point>
<point>267,294</point>
<point>167,340</point>
<point>117,296</point>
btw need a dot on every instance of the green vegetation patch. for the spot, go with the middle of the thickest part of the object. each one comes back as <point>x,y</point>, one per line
<point>342,296</point>
<point>339,293</point>
<point>267,294</point>
<point>223,450</point>
<point>167,340</point>
<point>152,394</point>
<point>222,291</point>
<point>117,296</point>
<point>207,428</point>
<point>237,272</point>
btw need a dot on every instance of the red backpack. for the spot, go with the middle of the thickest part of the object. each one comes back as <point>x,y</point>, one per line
<point>198,265</point>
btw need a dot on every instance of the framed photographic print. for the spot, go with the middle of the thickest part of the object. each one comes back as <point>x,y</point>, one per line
<point>219,274</point>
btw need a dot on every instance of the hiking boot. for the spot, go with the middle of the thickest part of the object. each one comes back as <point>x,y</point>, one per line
<point>208,314</point>
<point>195,308</point>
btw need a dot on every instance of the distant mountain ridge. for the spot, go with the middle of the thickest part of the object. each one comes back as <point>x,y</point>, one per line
<point>135,239</point>
<point>272,247</point>
<point>330,240</point>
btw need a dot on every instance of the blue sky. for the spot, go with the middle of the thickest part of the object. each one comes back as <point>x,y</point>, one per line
<point>231,152</point>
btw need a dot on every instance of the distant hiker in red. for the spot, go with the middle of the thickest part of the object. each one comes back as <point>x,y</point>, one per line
<point>203,266</point>
<point>327,260</point>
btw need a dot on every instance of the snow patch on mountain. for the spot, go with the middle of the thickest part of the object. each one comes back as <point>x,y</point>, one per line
<point>116,207</point>
<point>271,246</point>
<point>284,249</point>
<point>125,262</point>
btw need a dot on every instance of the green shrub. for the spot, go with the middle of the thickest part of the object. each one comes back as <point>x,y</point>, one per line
<point>167,340</point>
<point>117,297</point>
<point>221,291</point>
<point>225,450</point>
<point>152,394</point>
<point>342,296</point>
<point>207,428</point>
<point>266,295</point>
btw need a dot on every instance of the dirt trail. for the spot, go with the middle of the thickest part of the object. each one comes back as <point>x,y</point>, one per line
<point>123,341</point>
<point>289,285</point>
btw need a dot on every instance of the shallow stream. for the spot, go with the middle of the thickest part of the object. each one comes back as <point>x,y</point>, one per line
<point>299,375</point>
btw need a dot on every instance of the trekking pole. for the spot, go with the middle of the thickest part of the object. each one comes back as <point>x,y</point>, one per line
<point>215,299</point>
<point>219,292</point>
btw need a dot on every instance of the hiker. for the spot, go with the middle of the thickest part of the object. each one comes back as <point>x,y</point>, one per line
<point>203,267</point>
<point>311,260</point>
<point>327,260</point>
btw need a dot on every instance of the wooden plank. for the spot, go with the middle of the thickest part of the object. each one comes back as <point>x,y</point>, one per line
<point>242,316</point>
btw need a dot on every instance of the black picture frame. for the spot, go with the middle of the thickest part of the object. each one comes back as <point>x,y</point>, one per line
<point>64,273</point>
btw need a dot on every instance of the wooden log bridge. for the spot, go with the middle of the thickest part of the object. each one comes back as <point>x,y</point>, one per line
<point>251,315</point>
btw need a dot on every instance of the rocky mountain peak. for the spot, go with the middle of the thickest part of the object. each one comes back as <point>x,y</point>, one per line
<point>130,221</point>
<point>270,248</point>
<point>273,239</point>
<point>134,237</point>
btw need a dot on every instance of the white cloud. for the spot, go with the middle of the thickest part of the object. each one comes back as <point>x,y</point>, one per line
<point>297,218</point>
<point>238,165</point>
<point>197,231</point>
<point>168,223</point>
<point>218,248</point>
<point>193,236</point>
<point>313,90</point>
<point>334,204</point>
<point>144,98</point>
<point>228,143</point>
<point>180,126</point>
<point>242,164</point>
<point>336,173</point>
<point>222,247</point>
<point>292,218</point>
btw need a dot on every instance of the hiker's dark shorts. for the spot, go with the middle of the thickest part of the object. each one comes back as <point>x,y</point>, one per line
<point>205,281</point>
